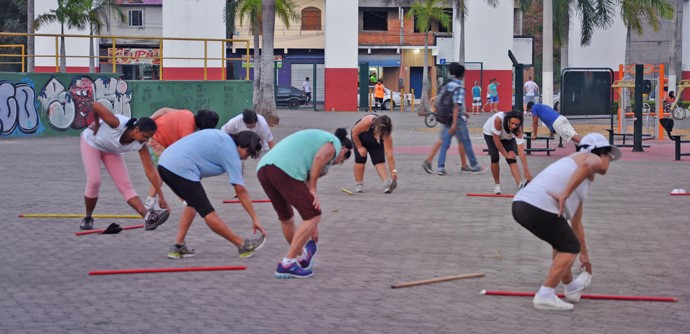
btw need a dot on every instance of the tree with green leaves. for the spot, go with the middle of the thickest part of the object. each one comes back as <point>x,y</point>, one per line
<point>251,10</point>
<point>423,13</point>
<point>635,13</point>
<point>98,18</point>
<point>73,13</point>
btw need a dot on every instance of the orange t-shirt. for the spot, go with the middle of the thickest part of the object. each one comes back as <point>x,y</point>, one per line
<point>378,91</point>
<point>173,126</point>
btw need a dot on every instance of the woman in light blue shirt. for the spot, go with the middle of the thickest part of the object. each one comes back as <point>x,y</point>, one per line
<point>206,153</point>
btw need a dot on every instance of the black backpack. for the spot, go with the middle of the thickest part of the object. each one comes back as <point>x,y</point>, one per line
<point>444,104</point>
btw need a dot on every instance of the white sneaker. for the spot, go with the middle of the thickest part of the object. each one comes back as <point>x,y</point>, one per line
<point>151,203</point>
<point>359,188</point>
<point>584,280</point>
<point>551,304</point>
<point>497,189</point>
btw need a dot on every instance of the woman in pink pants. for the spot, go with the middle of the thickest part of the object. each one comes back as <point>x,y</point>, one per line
<point>106,139</point>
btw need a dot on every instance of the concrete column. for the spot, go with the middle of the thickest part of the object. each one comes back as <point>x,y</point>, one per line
<point>341,55</point>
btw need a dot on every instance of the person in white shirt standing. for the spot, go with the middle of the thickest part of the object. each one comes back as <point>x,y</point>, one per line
<point>531,90</point>
<point>249,120</point>
<point>306,87</point>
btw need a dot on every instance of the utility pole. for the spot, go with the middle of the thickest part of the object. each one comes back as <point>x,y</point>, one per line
<point>547,55</point>
<point>30,60</point>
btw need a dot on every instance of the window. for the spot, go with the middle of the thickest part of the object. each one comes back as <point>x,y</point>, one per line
<point>311,18</point>
<point>374,20</point>
<point>135,17</point>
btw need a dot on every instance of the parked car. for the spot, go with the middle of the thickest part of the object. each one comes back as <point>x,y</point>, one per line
<point>387,103</point>
<point>290,96</point>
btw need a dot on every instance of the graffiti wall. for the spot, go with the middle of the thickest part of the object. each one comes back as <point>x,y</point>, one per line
<point>43,104</point>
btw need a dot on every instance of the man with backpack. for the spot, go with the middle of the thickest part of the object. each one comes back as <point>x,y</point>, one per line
<point>450,112</point>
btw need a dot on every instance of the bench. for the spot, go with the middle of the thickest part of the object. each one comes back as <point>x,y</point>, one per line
<point>626,136</point>
<point>529,149</point>
<point>667,123</point>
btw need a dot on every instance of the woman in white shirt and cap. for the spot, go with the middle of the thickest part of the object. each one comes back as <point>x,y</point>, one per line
<point>554,197</point>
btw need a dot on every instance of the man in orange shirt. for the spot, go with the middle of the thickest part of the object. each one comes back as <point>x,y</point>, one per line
<point>379,93</point>
<point>174,124</point>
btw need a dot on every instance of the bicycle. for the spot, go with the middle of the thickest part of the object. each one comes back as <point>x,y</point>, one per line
<point>675,109</point>
<point>430,119</point>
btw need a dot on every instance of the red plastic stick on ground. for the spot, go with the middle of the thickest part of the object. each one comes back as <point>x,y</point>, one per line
<point>163,270</point>
<point>253,201</point>
<point>491,195</point>
<point>587,296</point>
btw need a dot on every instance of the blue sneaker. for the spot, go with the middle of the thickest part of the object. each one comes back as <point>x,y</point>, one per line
<point>294,271</point>
<point>311,248</point>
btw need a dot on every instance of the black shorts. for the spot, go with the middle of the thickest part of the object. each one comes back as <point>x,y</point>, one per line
<point>374,148</point>
<point>547,226</point>
<point>508,144</point>
<point>191,192</point>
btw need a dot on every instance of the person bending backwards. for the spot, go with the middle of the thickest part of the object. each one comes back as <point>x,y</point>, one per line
<point>105,140</point>
<point>544,207</point>
<point>288,174</point>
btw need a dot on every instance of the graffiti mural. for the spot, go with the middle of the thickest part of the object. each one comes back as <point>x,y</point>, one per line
<point>17,109</point>
<point>71,107</point>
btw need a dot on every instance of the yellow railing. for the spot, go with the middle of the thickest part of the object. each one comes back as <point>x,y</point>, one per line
<point>13,46</point>
<point>114,57</point>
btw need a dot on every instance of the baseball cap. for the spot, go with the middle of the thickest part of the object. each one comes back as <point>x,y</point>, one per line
<point>597,140</point>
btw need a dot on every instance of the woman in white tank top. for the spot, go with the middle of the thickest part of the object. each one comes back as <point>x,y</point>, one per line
<point>105,141</point>
<point>544,207</point>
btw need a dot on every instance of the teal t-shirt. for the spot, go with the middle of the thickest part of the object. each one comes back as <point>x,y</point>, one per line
<point>295,153</point>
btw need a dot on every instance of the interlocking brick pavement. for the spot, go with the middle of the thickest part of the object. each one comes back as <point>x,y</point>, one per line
<point>638,237</point>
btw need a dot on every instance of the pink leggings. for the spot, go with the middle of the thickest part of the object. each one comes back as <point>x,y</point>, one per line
<point>114,164</point>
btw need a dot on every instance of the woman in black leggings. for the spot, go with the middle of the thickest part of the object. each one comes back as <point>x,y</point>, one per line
<point>544,207</point>
<point>372,134</point>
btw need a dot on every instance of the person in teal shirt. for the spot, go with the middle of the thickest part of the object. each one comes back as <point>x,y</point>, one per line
<point>493,95</point>
<point>288,174</point>
<point>476,98</point>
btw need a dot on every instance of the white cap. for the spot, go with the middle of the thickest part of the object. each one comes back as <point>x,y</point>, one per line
<point>596,140</point>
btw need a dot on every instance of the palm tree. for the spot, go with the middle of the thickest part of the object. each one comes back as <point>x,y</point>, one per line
<point>423,13</point>
<point>285,10</point>
<point>267,103</point>
<point>636,12</point>
<point>673,64</point>
<point>98,18</point>
<point>30,49</point>
<point>72,13</point>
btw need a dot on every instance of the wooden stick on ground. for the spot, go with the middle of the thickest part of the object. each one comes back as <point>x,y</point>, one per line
<point>436,280</point>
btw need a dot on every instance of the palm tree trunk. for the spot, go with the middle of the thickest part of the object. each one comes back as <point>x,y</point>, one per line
<point>627,45</point>
<point>564,43</point>
<point>30,61</point>
<point>424,107</point>
<point>92,64</point>
<point>547,54</point>
<point>676,26</point>
<point>63,58</point>
<point>267,107</point>
<point>256,97</point>
<point>461,59</point>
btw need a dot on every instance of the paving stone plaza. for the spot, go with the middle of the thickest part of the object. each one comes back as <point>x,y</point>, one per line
<point>637,233</point>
